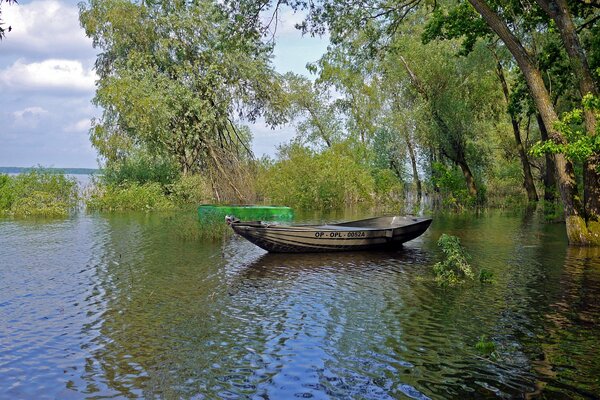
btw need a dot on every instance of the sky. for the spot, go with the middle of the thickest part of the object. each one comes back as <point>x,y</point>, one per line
<point>47,83</point>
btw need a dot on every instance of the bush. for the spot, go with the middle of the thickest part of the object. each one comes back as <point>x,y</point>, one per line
<point>133,196</point>
<point>486,347</point>
<point>190,189</point>
<point>309,180</point>
<point>141,169</point>
<point>455,268</point>
<point>388,187</point>
<point>38,193</point>
<point>452,186</point>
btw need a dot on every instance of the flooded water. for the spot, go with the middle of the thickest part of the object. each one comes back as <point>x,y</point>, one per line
<point>101,306</point>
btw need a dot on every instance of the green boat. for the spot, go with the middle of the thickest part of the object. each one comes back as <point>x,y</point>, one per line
<point>212,212</point>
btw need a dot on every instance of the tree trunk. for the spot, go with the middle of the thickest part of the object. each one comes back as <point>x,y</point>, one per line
<point>458,148</point>
<point>469,179</point>
<point>413,163</point>
<point>577,230</point>
<point>549,173</point>
<point>559,11</point>
<point>528,183</point>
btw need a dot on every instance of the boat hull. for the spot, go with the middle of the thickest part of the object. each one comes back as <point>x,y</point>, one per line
<point>350,236</point>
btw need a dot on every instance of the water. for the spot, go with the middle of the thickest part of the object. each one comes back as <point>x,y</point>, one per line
<point>101,306</point>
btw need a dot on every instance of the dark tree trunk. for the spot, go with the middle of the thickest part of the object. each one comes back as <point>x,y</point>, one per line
<point>559,11</point>
<point>469,179</point>
<point>577,230</point>
<point>549,170</point>
<point>528,183</point>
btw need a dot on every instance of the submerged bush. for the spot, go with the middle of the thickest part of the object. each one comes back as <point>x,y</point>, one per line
<point>190,189</point>
<point>133,196</point>
<point>141,169</point>
<point>450,182</point>
<point>455,268</point>
<point>388,188</point>
<point>486,347</point>
<point>306,179</point>
<point>37,193</point>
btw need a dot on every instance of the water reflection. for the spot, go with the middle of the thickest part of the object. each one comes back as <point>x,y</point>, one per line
<point>120,306</point>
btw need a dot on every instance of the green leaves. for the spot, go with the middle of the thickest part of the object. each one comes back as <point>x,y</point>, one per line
<point>579,145</point>
<point>174,79</point>
<point>455,268</point>
<point>38,193</point>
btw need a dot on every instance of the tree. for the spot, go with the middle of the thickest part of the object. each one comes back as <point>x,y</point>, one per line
<point>311,104</point>
<point>174,80</point>
<point>583,226</point>
<point>381,19</point>
<point>3,30</point>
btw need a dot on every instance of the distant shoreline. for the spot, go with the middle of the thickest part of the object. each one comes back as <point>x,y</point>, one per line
<point>70,171</point>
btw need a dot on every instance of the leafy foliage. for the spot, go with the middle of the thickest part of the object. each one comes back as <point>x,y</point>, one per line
<point>38,193</point>
<point>485,276</point>
<point>579,146</point>
<point>451,186</point>
<point>486,347</point>
<point>132,196</point>
<point>141,168</point>
<point>455,268</point>
<point>174,79</point>
<point>306,179</point>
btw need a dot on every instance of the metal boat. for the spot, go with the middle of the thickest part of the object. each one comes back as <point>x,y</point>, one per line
<point>382,233</point>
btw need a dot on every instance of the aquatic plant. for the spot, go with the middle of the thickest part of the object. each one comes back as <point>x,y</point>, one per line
<point>38,193</point>
<point>485,276</point>
<point>133,196</point>
<point>486,347</point>
<point>185,225</point>
<point>455,268</point>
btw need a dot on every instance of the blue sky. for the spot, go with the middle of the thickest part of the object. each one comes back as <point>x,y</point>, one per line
<point>47,84</point>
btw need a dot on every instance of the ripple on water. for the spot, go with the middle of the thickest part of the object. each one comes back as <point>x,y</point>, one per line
<point>120,306</point>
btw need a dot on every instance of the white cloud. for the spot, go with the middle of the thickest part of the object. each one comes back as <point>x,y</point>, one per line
<point>28,118</point>
<point>53,74</point>
<point>45,28</point>
<point>83,125</point>
<point>29,112</point>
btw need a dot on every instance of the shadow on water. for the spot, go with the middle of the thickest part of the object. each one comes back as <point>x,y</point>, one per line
<point>119,306</point>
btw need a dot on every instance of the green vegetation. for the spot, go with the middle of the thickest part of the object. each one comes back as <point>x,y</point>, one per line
<point>447,100</point>
<point>145,183</point>
<point>331,179</point>
<point>486,276</point>
<point>37,193</point>
<point>486,347</point>
<point>455,268</point>
<point>131,196</point>
<point>174,78</point>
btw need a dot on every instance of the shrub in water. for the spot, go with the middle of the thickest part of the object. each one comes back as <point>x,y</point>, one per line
<point>141,169</point>
<point>455,268</point>
<point>486,347</point>
<point>486,276</point>
<point>146,197</point>
<point>37,193</point>
<point>306,179</point>
<point>190,189</point>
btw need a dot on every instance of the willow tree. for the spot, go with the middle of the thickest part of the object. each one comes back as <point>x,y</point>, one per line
<point>174,80</point>
<point>311,105</point>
